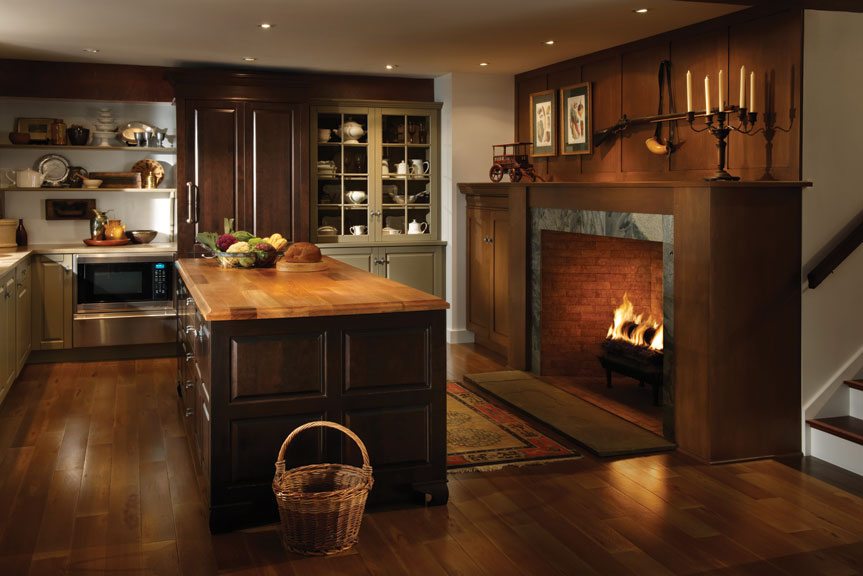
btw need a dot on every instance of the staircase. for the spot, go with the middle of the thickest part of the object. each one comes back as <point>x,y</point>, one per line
<point>839,439</point>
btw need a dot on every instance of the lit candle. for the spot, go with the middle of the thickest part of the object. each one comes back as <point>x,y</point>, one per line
<point>721,101</point>
<point>707,94</point>
<point>688,91</point>
<point>742,86</point>
<point>752,91</point>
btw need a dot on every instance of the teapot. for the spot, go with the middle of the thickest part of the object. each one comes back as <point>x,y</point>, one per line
<point>27,178</point>
<point>351,132</point>
<point>417,227</point>
<point>402,168</point>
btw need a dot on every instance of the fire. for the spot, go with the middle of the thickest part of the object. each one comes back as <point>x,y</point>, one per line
<point>632,328</point>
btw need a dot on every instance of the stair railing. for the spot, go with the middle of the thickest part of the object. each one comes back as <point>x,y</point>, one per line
<point>835,257</point>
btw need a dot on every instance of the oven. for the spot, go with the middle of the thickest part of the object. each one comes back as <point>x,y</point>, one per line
<point>124,299</point>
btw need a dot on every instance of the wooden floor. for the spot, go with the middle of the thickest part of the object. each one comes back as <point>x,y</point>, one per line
<point>95,478</point>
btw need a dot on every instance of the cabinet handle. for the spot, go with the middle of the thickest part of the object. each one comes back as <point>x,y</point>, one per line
<point>379,261</point>
<point>191,203</point>
<point>189,412</point>
<point>189,384</point>
<point>189,301</point>
<point>191,330</point>
<point>190,357</point>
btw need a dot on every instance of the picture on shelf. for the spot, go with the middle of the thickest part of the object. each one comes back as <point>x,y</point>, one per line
<point>543,130</point>
<point>575,122</point>
<point>38,128</point>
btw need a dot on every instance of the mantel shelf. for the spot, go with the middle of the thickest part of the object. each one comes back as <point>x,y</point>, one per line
<point>139,149</point>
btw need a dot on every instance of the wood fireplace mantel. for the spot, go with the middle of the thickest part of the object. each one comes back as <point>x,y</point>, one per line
<point>737,278</point>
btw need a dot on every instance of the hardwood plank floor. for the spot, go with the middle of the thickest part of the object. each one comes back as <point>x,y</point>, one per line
<point>96,478</point>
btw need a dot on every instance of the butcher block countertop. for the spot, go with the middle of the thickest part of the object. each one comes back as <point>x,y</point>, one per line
<point>340,290</point>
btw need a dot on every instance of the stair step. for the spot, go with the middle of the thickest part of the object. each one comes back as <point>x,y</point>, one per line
<point>856,384</point>
<point>846,427</point>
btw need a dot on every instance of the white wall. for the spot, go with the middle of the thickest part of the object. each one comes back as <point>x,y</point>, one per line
<point>832,343</point>
<point>478,112</point>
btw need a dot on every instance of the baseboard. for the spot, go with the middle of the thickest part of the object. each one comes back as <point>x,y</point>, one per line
<point>459,336</point>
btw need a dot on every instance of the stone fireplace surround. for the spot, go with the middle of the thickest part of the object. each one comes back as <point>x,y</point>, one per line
<point>735,300</point>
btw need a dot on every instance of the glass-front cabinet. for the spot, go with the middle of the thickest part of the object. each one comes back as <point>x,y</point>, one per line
<point>375,174</point>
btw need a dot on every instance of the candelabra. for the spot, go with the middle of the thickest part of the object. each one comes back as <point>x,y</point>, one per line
<point>720,130</point>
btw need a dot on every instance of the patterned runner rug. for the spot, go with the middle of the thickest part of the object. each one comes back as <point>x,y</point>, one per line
<point>484,436</point>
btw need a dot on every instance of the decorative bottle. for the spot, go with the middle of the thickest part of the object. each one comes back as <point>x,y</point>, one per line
<point>21,233</point>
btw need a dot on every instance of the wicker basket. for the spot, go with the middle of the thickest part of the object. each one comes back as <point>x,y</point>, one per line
<point>321,505</point>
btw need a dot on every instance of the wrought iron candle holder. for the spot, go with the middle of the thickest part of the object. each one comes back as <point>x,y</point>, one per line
<point>720,130</point>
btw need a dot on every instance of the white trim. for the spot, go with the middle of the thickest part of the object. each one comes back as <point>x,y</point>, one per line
<point>459,336</point>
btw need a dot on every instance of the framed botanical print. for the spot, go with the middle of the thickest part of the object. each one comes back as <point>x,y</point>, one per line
<point>576,125</point>
<point>543,124</point>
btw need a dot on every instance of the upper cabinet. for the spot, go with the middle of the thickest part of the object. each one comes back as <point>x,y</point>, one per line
<point>243,155</point>
<point>375,173</point>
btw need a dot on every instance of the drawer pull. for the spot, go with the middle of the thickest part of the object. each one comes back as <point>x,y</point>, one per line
<point>189,412</point>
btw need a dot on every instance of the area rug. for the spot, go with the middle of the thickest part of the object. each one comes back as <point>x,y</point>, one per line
<point>484,436</point>
<point>599,431</point>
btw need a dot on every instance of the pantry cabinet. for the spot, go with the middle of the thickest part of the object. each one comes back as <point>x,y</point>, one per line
<point>243,154</point>
<point>52,285</point>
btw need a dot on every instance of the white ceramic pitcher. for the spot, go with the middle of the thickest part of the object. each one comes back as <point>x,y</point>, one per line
<point>26,178</point>
<point>417,227</point>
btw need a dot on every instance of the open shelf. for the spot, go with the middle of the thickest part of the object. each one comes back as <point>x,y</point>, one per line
<point>138,149</point>
<point>87,190</point>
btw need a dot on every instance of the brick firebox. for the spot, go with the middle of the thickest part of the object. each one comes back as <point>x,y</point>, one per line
<point>584,278</point>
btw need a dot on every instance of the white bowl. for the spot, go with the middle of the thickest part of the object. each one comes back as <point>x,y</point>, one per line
<point>356,196</point>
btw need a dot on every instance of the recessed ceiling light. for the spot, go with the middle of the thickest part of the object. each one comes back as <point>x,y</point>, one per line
<point>265,25</point>
<point>91,50</point>
<point>249,58</point>
<point>392,66</point>
<point>640,10</point>
<point>549,42</point>
<point>483,63</point>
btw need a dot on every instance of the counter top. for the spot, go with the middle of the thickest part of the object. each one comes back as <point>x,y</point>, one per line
<point>10,257</point>
<point>260,293</point>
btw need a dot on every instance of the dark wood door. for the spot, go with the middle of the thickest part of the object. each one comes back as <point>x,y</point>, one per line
<point>211,165</point>
<point>479,272</point>
<point>498,222</point>
<point>276,157</point>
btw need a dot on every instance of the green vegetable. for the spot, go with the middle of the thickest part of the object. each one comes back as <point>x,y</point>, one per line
<point>242,235</point>
<point>229,225</point>
<point>254,241</point>
<point>208,239</point>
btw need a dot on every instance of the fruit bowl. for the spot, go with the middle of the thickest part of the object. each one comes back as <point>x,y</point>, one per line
<point>251,259</point>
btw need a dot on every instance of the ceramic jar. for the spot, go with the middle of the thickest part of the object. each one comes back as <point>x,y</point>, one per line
<point>114,230</point>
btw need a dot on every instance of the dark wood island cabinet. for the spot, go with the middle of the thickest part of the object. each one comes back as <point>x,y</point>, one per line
<point>264,351</point>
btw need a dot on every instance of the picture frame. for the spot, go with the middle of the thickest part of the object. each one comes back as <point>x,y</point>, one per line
<point>38,128</point>
<point>543,124</point>
<point>69,209</point>
<point>576,120</point>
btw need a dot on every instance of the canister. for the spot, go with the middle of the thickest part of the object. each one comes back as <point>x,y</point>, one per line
<point>7,233</point>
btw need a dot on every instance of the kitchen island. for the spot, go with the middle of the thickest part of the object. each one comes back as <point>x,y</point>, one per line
<point>262,351</point>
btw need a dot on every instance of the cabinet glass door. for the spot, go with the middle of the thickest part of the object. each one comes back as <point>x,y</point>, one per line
<point>406,175</point>
<point>341,176</point>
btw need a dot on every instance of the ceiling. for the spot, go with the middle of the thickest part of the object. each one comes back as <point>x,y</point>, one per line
<point>423,39</point>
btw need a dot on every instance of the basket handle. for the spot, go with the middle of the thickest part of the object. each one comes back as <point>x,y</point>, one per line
<point>324,424</point>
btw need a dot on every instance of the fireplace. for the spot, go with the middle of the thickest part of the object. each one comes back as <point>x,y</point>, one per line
<point>731,283</point>
<point>584,264</point>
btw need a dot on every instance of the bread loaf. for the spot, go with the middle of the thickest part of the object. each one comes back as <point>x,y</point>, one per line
<point>303,252</point>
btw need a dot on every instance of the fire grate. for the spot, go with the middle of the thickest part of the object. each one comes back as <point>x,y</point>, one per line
<point>643,364</point>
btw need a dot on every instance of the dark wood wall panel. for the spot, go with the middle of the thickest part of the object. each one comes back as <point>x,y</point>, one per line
<point>605,76</point>
<point>624,78</point>
<point>279,365</point>
<point>386,358</point>
<point>255,444</point>
<point>393,436</point>
<point>702,54</point>
<point>640,97</point>
<point>771,46</point>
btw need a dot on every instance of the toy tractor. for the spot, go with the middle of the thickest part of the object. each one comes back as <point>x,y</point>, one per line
<point>512,159</point>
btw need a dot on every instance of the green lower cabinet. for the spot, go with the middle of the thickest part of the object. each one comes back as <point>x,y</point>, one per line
<point>420,267</point>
